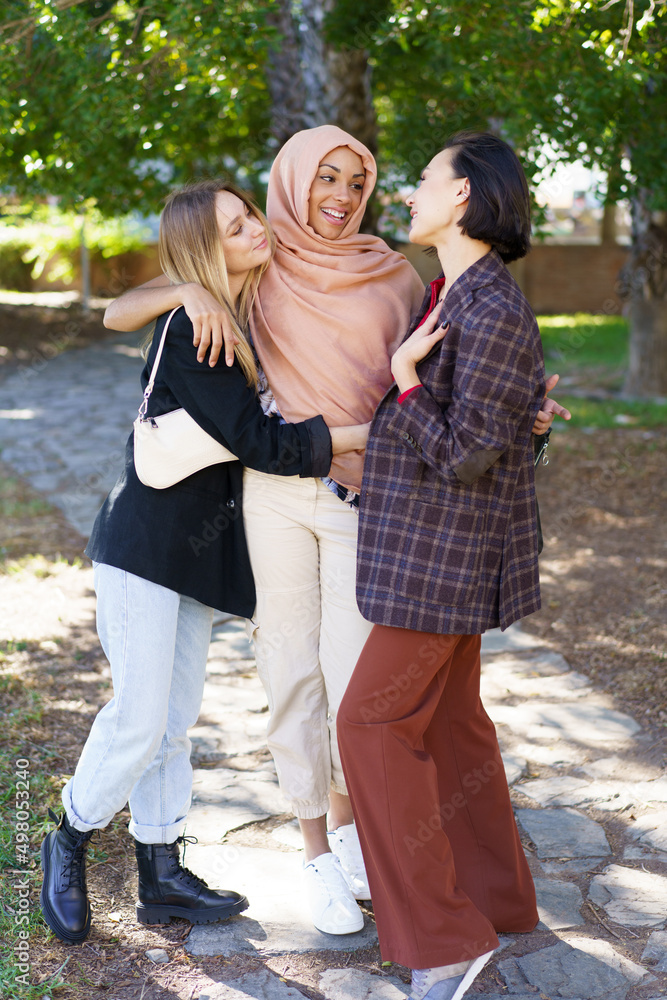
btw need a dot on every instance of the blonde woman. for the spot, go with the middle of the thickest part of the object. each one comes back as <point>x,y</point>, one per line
<point>163,559</point>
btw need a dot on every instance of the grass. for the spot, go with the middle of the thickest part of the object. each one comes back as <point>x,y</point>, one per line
<point>12,505</point>
<point>37,544</point>
<point>582,341</point>
<point>641,414</point>
<point>28,782</point>
<point>28,521</point>
<point>33,539</point>
<point>590,353</point>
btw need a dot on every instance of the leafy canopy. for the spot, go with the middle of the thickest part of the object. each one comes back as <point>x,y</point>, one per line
<point>117,100</point>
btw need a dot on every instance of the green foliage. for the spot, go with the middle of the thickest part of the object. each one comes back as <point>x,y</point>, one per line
<point>536,71</point>
<point>15,270</point>
<point>590,354</point>
<point>153,92</point>
<point>34,233</point>
<point>146,93</point>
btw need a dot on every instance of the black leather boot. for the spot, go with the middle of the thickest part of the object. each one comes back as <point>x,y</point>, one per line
<point>167,890</point>
<point>64,897</point>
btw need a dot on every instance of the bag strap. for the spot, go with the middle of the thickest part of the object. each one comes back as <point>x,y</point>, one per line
<point>151,381</point>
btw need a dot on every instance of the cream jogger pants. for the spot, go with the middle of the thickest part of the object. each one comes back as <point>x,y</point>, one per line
<point>307,629</point>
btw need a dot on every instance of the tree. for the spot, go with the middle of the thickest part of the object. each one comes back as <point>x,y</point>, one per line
<point>116,100</point>
<point>150,93</point>
<point>608,71</point>
<point>312,78</point>
<point>587,77</point>
<point>203,86</point>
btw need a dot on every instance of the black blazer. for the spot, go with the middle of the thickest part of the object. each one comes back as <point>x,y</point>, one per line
<point>190,537</point>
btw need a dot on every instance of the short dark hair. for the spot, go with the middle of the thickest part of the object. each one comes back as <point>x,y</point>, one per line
<point>498,210</point>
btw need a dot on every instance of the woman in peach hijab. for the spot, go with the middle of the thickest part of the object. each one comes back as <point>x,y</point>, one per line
<point>325,325</point>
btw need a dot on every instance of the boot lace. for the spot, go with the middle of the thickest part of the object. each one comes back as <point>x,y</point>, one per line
<point>419,981</point>
<point>74,859</point>
<point>73,868</point>
<point>178,868</point>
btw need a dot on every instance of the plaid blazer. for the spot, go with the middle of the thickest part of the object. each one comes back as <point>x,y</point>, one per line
<point>447,520</point>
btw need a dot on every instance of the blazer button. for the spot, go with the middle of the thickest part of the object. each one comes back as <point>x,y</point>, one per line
<point>230,503</point>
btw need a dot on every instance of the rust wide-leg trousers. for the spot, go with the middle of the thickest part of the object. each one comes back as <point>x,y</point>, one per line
<point>445,864</point>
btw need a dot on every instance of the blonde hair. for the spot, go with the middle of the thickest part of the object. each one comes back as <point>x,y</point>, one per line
<point>191,250</point>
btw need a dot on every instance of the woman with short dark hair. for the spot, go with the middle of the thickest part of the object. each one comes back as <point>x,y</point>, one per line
<point>447,548</point>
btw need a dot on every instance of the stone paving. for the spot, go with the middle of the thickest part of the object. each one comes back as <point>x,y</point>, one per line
<point>591,806</point>
<point>64,423</point>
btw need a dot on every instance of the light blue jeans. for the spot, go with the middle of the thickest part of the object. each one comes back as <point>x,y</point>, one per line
<point>138,750</point>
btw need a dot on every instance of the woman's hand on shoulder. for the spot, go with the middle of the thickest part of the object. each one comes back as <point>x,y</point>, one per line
<point>210,323</point>
<point>420,342</point>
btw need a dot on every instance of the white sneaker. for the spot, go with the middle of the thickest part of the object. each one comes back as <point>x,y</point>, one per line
<point>333,907</point>
<point>344,842</point>
<point>429,984</point>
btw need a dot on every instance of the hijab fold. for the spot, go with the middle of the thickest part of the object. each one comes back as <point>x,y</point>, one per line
<point>329,313</point>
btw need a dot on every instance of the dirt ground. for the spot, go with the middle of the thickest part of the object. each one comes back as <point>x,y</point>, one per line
<point>604,566</point>
<point>32,332</point>
<point>602,500</point>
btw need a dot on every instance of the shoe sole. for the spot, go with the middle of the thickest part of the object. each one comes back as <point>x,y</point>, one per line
<point>353,926</point>
<point>49,916</point>
<point>162,913</point>
<point>471,973</point>
<point>351,929</point>
<point>362,897</point>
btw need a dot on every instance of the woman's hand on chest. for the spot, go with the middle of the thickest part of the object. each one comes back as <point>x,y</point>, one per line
<point>414,349</point>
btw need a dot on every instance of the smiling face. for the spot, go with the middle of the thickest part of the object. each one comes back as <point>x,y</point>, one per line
<point>438,202</point>
<point>243,237</point>
<point>336,192</point>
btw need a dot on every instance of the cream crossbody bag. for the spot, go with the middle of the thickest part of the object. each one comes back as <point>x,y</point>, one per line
<point>172,446</point>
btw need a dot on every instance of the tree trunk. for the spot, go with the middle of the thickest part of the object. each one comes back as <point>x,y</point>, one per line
<point>644,283</point>
<point>314,83</point>
<point>608,224</point>
<point>284,75</point>
<point>85,266</point>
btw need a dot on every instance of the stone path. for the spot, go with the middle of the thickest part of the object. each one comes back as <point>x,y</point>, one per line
<point>64,423</point>
<point>593,811</point>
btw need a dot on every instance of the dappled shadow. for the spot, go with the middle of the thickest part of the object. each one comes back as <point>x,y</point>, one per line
<point>604,566</point>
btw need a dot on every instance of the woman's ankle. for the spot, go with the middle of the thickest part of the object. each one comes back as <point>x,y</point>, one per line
<point>314,833</point>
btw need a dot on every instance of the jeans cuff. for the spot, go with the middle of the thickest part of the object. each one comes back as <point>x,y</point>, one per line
<point>156,834</point>
<point>73,817</point>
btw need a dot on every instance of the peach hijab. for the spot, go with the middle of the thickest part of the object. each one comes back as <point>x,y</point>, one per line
<point>329,313</point>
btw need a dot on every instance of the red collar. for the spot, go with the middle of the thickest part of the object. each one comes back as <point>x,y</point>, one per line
<point>435,291</point>
<point>436,287</point>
